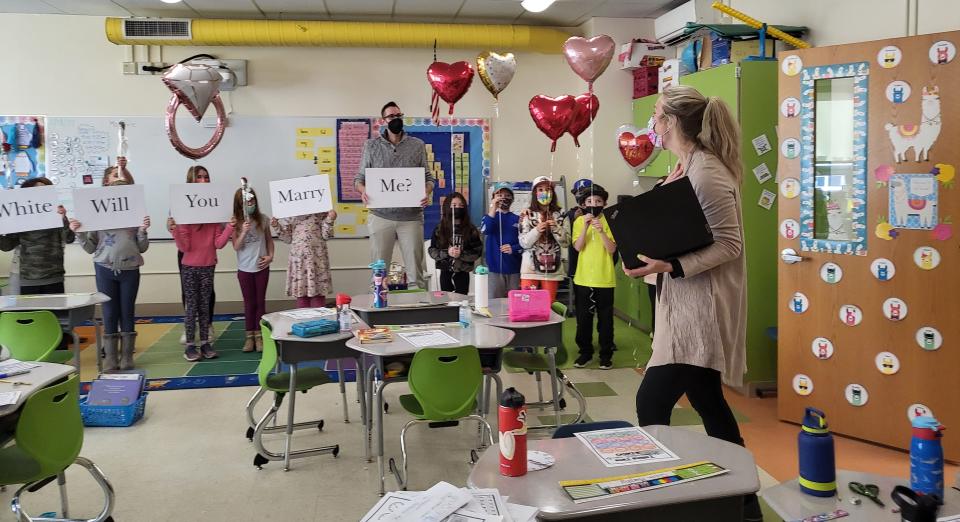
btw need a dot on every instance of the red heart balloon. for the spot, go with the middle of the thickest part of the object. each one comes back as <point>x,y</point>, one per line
<point>586,111</point>
<point>450,80</point>
<point>553,115</point>
<point>635,146</point>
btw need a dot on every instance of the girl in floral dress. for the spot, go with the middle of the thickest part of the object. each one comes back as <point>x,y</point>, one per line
<point>308,268</point>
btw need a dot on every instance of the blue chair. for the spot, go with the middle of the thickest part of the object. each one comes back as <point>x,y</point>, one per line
<point>569,430</point>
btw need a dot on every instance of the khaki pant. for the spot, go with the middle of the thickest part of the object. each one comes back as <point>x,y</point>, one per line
<point>384,233</point>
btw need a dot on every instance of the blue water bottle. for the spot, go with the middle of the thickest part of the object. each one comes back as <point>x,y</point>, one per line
<point>818,471</point>
<point>378,283</point>
<point>926,456</point>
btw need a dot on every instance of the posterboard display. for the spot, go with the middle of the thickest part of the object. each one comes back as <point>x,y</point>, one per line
<point>24,155</point>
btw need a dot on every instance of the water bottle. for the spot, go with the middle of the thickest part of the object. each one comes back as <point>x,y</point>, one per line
<point>818,472</point>
<point>926,456</point>
<point>465,313</point>
<point>481,294</point>
<point>512,423</point>
<point>343,312</point>
<point>378,283</point>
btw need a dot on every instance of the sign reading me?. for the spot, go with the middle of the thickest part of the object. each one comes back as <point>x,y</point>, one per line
<point>395,188</point>
<point>300,196</point>
<point>192,203</point>
<point>26,209</point>
<point>106,208</point>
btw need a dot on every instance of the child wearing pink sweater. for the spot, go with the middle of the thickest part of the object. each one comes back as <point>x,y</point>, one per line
<point>199,244</point>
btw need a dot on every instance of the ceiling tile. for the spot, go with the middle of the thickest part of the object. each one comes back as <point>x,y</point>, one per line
<point>501,10</point>
<point>226,9</point>
<point>562,13</point>
<point>438,9</point>
<point>341,8</point>
<point>312,8</point>
<point>29,7</point>
<point>156,8</point>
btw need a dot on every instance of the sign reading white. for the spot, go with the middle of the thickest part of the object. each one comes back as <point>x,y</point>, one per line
<point>300,196</point>
<point>395,188</point>
<point>201,203</point>
<point>105,208</point>
<point>26,209</point>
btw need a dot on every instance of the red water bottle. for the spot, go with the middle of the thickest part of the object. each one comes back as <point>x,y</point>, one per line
<point>513,433</point>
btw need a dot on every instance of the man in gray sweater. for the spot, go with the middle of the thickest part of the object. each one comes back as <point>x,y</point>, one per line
<point>393,148</point>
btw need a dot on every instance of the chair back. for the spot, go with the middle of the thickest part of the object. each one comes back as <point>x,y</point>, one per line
<point>50,429</point>
<point>569,430</point>
<point>445,381</point>
<point>268,359</point>
<point>559,309</point>
<point>30,336</point>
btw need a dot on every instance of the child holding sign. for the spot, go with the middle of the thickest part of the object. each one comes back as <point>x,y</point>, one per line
<point>199,244</point>
<point>254,245</point>
<point>116,261</point>
<point>542,235</point>
<point>308,269</point>
<point>455,245</point>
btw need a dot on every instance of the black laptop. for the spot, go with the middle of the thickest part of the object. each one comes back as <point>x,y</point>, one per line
<point>663,223</point>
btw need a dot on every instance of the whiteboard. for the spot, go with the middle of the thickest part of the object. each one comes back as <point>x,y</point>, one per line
<point>260,148</point>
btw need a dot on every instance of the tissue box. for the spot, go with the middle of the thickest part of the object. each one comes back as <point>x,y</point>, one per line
<point>641,53</point>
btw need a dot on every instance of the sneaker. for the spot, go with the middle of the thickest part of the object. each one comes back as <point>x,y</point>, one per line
<point>208,352</point>
<point>606,364</point>
<point>183,338</point>
<point>191,354</point>
<point>582,361</point>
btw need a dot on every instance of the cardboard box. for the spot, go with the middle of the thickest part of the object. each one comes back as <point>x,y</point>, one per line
<point>645,80</point>
<point>641,53</point>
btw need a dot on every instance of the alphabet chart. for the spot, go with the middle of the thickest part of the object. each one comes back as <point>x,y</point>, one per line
<point>625,447</point>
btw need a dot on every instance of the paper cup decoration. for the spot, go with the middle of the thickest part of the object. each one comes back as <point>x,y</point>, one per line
<point>791,65</point>
<point>789,229</point>
<point>822,348</point>
<point>856,394</point>
<point>790,188</point>
<point>831,273</point>
<point>942,52</point>
<point>894,309</point>
<point>926,257</point>
<point>889,57</point>
<point>918,410</point>
<point>802,384</point>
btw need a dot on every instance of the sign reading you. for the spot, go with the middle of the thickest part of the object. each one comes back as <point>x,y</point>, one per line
<point>300,196</point>
<point>201,203</point>
<point>395,188</point>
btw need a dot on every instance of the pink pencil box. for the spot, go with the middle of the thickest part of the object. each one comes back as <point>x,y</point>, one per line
<point>526,306</point>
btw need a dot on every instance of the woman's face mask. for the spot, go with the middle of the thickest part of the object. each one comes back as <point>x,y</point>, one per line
<point>656,139</point>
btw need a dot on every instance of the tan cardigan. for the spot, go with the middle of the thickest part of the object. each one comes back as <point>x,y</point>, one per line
<point>701,317</point>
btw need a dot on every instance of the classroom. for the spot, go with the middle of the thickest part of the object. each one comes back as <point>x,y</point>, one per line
<point>479,260</point>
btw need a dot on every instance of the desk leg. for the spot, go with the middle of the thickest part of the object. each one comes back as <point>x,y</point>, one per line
<point>552,358</point>
<point>362,399</point>
<point>371,398</point>
<point>343,391</point>
<point>76,350</point>
<point>98,333</point>
<point>380,388</point>
<point>292,397</point>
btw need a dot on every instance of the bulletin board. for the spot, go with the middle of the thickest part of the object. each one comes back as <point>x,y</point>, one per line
<point>869,335</point>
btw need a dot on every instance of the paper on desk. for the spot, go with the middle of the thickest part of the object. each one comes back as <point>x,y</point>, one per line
<point>951,518</point>
<point>521,513</point>
<point>488,501</point>
<point>625,446</point>
<point>434,504</point>
<point>14,366</point>
<point>308,313</point>
<point>8,398</point>
<point>428,339</point>
<point>392,503</point>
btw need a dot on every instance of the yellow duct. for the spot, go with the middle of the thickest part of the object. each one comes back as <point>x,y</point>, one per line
<point>289,33</point>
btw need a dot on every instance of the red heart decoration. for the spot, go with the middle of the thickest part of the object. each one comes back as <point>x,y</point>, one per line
<point>553,115</point>
<point>586,110</point>
<point>450,80</point>
<point>635,146</point>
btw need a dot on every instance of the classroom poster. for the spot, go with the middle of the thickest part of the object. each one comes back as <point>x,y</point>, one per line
<point>23,155</point>
<point>625,447</point>
<point>106,208</point>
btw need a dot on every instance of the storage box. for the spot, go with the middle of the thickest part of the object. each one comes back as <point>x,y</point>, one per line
<point>645,81</point>
<point>117,416</point>
<point>641,53</point>
<point>525,306</point>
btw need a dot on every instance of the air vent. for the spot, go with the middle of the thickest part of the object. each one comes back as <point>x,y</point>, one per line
<point>156,29</point>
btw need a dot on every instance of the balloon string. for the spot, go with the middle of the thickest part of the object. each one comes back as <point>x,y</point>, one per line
<point>496,120</point>
<point>592,143</point>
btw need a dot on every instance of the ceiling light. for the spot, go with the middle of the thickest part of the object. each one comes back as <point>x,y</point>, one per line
<point>171,1</point>
<point>534,6</point>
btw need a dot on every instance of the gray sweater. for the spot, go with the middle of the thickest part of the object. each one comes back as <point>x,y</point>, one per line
<point>409,152</point>
<point>117,249</point>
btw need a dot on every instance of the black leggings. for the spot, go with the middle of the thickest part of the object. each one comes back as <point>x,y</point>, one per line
<point>662,387</point>
<point>458,282</point>
<point>183,301</point>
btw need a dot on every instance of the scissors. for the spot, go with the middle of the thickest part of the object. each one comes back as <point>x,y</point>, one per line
<point>871,491</point>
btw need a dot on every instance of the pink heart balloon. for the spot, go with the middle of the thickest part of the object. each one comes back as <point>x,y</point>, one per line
<point>450,80</point>
<point>589,57</point>
<point>586,110</point>
<point>553,115</point>
<point>195,85</point>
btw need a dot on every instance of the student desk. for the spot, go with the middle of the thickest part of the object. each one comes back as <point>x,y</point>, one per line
<point>292,350</point>
<point>37,379</point>
<point>72,309</point>
<point>547,333</point>
<point>792,504</point>
<point>478,335</point>
<point>715,498</point>
<point>409,308</point>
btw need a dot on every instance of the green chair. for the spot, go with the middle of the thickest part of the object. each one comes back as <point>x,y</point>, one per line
<point>279,383</point>
<point>33,336</point>
<point>537,362</point>
<point>48,439</point>
<point>445,383</point>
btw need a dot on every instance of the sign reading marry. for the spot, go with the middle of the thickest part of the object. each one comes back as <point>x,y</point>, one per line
<point>105,208</point>
<point>26,209</point>
<point>300,196</point>
<point>395,188</point>
<point>192,203</point>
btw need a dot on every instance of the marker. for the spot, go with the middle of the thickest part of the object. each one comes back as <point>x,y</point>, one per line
<point>11,374</point>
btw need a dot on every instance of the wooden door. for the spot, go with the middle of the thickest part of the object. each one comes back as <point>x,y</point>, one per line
<point>883,245</point>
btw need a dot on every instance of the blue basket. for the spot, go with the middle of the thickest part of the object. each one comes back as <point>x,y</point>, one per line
<point>99,415</point>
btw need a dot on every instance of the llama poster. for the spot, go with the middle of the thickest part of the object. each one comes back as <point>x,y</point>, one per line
<point>913,201</point>
<point>920,136</point>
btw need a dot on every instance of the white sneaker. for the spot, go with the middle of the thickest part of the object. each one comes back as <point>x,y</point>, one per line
<point>183,338</point>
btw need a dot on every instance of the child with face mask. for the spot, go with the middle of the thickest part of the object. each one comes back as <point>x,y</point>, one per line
<point>595,279</point>
<point>254,245</point>
<point>542,236</point>
<point>455,245</point>
<point>503,253</point>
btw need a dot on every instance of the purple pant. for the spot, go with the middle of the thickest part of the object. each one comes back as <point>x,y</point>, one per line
<point>253,286</point>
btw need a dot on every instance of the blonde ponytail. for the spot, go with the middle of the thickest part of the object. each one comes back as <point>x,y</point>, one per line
<point>720,135</point>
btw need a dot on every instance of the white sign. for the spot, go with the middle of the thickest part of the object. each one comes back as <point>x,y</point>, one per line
<point>395,188</point>
<point>300,196</point>
<point>194,203</point>
<point>105,208</point>
<point>25,209</point>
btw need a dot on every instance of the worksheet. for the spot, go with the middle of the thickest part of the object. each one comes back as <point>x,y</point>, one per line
<point>7,398</point>
<point>625,447</point>
<point>429,338</point>
<point>309,313</point>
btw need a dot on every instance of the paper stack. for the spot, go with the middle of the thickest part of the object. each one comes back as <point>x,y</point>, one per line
<point>447,503</point>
